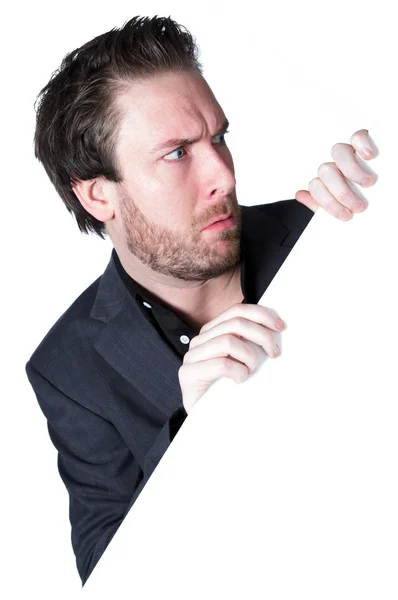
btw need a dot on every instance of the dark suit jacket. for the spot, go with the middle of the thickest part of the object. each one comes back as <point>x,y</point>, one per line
<point>108,386</point>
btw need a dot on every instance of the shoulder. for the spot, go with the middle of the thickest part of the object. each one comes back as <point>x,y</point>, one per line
<point>290,214</point>
<point>69,335</point>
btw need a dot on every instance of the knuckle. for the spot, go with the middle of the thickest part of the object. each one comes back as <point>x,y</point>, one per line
<point>235,309</point>
<point>187,359</point>
<point>313,184</point>
<point>238,321</point>
<point>336,146</point>
<point>341,146</point>
<point>325,168</point>
<point>358,135</point>
<point>270,313</point>
<point>223,364</point>
<point>229,341</point>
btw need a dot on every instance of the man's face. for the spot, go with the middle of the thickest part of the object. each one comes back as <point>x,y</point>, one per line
<point>169,194</point>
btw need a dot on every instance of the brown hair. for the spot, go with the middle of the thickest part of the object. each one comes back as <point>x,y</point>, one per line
<point>76,118</point>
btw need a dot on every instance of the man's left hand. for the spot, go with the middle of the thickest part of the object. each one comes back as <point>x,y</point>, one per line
<point>330,189</point>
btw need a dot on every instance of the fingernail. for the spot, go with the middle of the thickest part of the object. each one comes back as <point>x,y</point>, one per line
<point>368,181</point>
<point>345,215</point>
<point>280,324</point>
<point>360,205</point>
<point>277,350</point>
<point>367,152</point>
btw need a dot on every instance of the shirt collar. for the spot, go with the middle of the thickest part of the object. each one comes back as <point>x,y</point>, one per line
<point>137,289</point>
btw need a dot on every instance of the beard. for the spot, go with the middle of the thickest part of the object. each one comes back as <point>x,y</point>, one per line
<point>188,255</point>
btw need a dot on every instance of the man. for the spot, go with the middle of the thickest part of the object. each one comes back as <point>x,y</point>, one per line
<point>132,138</point>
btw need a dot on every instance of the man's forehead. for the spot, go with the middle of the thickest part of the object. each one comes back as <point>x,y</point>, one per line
<point>185,138</point>
<point>157,115</point>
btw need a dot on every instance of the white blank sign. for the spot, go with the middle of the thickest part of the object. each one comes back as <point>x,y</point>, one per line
<point>285,486</point>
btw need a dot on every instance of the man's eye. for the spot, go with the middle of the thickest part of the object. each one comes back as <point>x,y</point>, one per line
<point>178,159</point>
<point>174,151</point>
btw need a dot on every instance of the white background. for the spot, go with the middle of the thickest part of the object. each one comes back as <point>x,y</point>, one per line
<point>286,486</point>
<point>293,80</point>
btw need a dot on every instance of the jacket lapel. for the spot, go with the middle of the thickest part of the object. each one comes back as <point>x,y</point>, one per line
<point>130,344</point>
<point>266,245</point>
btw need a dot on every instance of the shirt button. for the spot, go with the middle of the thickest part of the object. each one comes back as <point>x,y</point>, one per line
<point>184,339</point>
<point>146,304</point>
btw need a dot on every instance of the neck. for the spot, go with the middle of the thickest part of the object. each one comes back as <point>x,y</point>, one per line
<point>195,302</point>
<point>219,297</point>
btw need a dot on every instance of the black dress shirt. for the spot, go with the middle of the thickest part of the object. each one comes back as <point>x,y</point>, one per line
<point>172,328</point>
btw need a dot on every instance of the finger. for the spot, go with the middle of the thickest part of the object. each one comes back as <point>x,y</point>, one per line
<point>335,182</point>
<point>345,158</point>
<point>260,335</point>
<point>252,312</point>
<point>224,345</point>
<point>327,201</point>
<point>196,378</point>
<point>362,144</point>
<point>305,198</point>
<point>211,370</point>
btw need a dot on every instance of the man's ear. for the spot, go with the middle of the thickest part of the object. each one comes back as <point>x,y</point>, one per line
<point>94,196</point>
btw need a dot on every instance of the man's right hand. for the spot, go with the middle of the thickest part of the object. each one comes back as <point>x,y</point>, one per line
<point>218,350</point>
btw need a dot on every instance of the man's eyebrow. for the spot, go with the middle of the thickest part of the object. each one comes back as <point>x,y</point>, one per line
<point>177,142</point>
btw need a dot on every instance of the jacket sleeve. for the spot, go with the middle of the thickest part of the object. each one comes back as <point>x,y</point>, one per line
<point>101,475</point>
